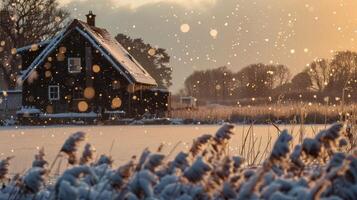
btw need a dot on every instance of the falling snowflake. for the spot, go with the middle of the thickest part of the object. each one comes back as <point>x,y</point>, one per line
<point>185,28</point>
<point>13,51</point>
<point>96,68</point>
<point>213,33</point>
<point>152,52</point>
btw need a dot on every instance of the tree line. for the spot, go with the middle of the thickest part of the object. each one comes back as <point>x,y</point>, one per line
<point>324,80</point>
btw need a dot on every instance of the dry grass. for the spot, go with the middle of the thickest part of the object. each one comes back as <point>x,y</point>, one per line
<point>292,113</point>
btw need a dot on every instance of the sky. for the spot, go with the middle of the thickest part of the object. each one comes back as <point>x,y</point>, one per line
<point>204,34</point>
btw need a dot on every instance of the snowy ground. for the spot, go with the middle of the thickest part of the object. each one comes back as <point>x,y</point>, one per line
<point>126,141</point>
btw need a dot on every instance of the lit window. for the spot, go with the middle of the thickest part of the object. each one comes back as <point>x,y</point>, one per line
<point>53,93</point>
<point>74,65</point>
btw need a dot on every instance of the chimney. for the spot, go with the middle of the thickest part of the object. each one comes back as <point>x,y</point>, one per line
<point>91,18</point>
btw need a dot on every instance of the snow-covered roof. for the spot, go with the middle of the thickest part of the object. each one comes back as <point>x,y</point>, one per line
<point>116,50</point>
<point>29,47</point>
<point>109,48</point>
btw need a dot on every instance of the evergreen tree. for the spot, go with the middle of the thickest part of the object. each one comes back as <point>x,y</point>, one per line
<point>154,60</point>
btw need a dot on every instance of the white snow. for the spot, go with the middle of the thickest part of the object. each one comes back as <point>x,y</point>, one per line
<point>28,110</point>
<point>205,174</point>
<point>114,112</point>
<point>69,115</point>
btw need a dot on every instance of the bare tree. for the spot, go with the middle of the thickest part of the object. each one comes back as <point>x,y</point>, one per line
<point>282,75</point>
<point>214,85</point>
<point>259,79</point>
<point>319,72</point>
<point>302,81</point>
<point>343,72</point>
<point>25,22</point>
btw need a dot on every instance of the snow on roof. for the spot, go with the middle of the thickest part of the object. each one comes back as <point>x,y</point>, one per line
<point>29,47</point>
<point>118,52</point>
<point>108,57</point>
<point>109,47</point>
<point>43,55</point>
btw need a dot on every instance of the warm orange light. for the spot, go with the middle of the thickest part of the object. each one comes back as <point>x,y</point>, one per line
<point>61,57</point>
<point>48,74</point>
<point>116,103</point>
<point>34,47</point>
<point>62,50</point>
<point>96,68</point>
<point>152,52</point>
<point>89,93</point>
<point>82,106</point>
<point>48,65</point>
<point>49,109</point>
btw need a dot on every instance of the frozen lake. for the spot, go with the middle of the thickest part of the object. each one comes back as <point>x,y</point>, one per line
<point>24,142</point>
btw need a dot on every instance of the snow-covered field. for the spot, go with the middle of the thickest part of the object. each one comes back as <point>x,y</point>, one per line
<point>122,142</point>
<point>317,168</point>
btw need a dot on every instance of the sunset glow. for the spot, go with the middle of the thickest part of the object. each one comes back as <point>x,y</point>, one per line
<point>247,31</point>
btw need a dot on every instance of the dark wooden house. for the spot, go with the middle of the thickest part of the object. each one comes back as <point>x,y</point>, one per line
<point>84,72</point>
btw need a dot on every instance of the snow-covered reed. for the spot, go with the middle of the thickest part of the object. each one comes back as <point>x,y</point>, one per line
<point>4,168</point>
<point>71,145</point>
<point>40,159</point>
<point>319,168</point>
<point>88,154</point>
